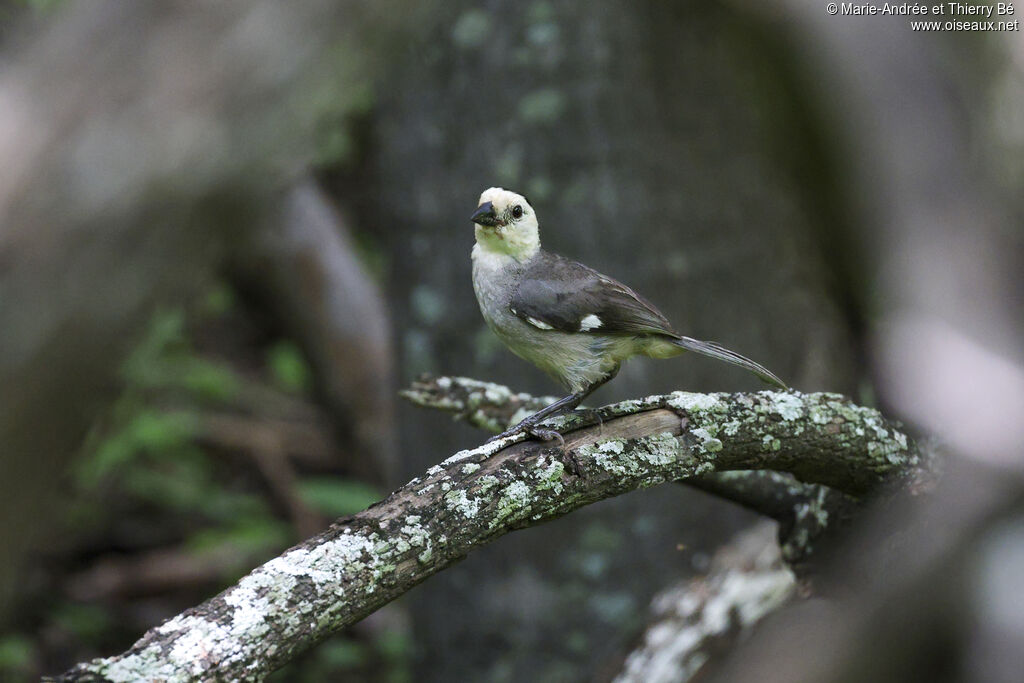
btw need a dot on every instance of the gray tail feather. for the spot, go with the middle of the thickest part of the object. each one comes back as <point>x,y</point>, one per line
<point>721,353</point>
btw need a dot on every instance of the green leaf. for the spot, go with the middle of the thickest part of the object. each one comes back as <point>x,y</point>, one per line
<point>183,483</point>
<point>248,536</point>
<point>159,433</point>
<point>16,653</point>
<point>88,622</point>
<point>394,646</point>
<point>146,432</point>
<point>288,367</point>
<point>337,497</point>
<point>218,300</point>
<point>226,505</point>
<point>208,380</point>
<point>164,359</point>
<point>166,330</point>
<point>341,653</point>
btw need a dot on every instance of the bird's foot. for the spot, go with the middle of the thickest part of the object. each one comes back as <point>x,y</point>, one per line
<point>568,458</point>
<point>546,435</point>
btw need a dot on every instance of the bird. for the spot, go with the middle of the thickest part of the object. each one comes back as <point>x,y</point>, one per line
<point>569,320</point>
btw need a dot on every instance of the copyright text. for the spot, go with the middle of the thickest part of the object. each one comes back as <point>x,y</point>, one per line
<point>945,16</point>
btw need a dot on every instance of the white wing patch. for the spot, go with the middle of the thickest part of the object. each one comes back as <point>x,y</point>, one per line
<point>539,323</point>
<point>591,322</point>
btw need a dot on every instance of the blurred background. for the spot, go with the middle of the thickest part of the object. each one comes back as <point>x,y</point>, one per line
<point>230,232</point>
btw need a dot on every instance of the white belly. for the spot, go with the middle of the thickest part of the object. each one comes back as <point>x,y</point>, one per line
<point>575,360</point>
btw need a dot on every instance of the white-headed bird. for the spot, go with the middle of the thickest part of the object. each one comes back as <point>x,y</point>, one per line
<point>567,319</point>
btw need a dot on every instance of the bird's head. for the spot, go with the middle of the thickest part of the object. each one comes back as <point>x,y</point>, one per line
<point>506,224</point>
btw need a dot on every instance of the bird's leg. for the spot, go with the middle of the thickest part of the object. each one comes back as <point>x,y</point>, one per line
<point>529,425</point>
<point>592,415</point>
<point>562,405</point>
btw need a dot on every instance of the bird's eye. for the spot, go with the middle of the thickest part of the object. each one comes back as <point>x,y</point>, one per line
<point>517,211</point>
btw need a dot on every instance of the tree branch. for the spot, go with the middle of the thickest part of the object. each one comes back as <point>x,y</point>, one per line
<point>694,623</point>
<point>493,408</point>
<point>363,562</point>
<point>805,511</point>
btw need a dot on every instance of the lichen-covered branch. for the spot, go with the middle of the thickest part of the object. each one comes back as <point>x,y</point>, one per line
<point>494,407</point>
<point>695,622</point>
<point>827,427</point>
<point>805,511</point>
<point>365,561</point>
<point>485,405</point>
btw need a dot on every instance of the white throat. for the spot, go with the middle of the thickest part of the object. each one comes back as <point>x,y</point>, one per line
<point>518,243</point>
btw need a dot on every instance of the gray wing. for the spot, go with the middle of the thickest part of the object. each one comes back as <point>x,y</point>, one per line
<point>560,294</point>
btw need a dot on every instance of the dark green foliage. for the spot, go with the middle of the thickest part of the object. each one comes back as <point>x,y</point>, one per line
<point>153,481</point>
<point>336,497</point>
<point>17,652</point>
<point>289,370</point>
<point>385,656</point>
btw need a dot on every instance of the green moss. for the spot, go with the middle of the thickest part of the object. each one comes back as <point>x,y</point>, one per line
<point>514,503</point>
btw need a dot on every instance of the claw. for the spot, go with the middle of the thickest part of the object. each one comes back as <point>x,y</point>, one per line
<point>546,435</point>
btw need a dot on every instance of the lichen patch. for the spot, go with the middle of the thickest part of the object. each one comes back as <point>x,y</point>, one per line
<point>696,403</point>
<point>788,405</point>
<point>459,502</point>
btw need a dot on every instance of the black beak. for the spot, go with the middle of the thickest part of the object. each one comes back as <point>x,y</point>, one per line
<point>484,215</point>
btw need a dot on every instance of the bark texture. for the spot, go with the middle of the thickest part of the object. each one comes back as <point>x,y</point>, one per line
<point>475,496</point>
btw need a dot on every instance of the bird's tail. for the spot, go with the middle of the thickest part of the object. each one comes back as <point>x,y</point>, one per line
<point>721,353</point>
